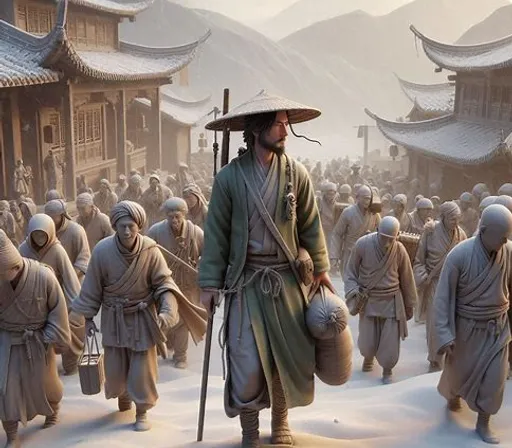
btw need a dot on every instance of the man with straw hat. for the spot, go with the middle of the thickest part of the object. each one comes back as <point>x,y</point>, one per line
<point>30,329</point>
<point>261,209</point>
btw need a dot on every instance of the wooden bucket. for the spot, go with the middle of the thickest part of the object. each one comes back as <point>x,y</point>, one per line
<point>90,367</point>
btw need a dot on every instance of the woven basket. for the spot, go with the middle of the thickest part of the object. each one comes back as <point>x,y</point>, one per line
<point>410,242</point>
<point>90,367</point>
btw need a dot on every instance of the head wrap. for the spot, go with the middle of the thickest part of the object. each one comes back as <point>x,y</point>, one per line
<point>435,199</point>
<point>53,194</point>
<point>478,189</point>
<point>505,189</point>
<point>467,197</point>
<point>504,200</point>
<point>106,183</point>
<point>9,255</point>
<point>128,209</point>
<point>387,197</point>
<point>154,176</point>
<point>135,180</point>
<point>488,200</point>
<point>56,207</point>
<point>44,223</point>
<point>418,197</point>
<point>183,165</point>
<point>329,186</point>
<point>449,209</point>
<point>84,199</point>
<point>175,205</point>
<point>4,205</point>
<point>400,199</point>
<point>424,203</point>
<point>121,177</point>
<point>345,189</point>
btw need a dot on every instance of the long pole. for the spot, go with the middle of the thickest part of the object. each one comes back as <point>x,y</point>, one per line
<point>211,314</point>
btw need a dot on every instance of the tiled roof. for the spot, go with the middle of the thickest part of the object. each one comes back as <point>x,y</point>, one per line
<point>430,98</point>
<point>20,57</point>
<point>26,59</point>
<point>460,58</point>
<point>449,138</point>
<point>120,7</point>
<point>184,112</point>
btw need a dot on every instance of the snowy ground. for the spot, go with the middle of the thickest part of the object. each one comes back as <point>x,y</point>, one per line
<point>362,413</point>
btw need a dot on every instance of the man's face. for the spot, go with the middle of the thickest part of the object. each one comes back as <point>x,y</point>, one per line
<point>15,210</point>
<point>153,184</point>
<point>191,200</point>
<point>425,213</point>
<point>58,220</point>
<point>385,242</point>
<point>452,221</point>
<point>84,211</point>
<point>39,238</point>
<point>398,208</point>
<point>274,139</point>
<point>330,195</point>
<point>103,189</point>
<point>127,230</point>
<point>494,237</point>
<point>176,220</point>
<point>364,200</point>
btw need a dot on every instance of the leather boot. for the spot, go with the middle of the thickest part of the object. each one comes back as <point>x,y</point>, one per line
<point>484,431</point>
<point>387,376</point>
<point>281,434</point>
<point>52,420</point>
<point>124,402</point>
<point>368,364</point>
<point>249,420</point>
<point>454,404</point>
<point>11,431</point>
<point>141,421</point>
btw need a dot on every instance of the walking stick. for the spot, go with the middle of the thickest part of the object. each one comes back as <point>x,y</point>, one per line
<point>209,328</point>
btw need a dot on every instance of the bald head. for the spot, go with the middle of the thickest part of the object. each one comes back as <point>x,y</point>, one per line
<point>495,227</point>
<point>364,197</point>
<point>389,227</point>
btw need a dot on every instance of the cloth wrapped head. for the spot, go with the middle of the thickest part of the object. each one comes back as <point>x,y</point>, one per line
<point>424,204</point>
<point>418,197</point>
<point>135,180</point>
<point>9,255</point>
<point>449,209</point>
<point>56,207</point>
<point>154,177</point>
<point>505,189</point>
<point>52,194</point>
<point>478,189</point>
<point>128,209</point>
<point>106,183</point>
<point>435,200</point>
<point>328,186</point>
<point>345,189</point>
<point>43,223</point>
<point>504,200</point>
<point>4,206</point>
<point>84,199</point>
<point>175,205</point>
<point>467,197</point>
<point>488,200</point>
<point>400,199</point>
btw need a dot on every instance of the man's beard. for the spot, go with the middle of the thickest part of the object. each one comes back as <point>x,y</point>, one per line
<point>279,150</point>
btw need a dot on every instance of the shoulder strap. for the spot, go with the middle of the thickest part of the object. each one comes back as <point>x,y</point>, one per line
<point>269,222</point>
<point>379,275</point>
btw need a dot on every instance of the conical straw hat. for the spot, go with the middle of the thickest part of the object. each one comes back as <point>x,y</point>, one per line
<point>260,104</point>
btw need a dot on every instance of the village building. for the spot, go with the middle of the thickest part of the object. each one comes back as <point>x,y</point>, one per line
<point>470,144</point>
<point>68,85</point>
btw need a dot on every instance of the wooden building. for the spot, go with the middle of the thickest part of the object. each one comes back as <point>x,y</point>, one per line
<point>68,84</point>
<point>472,143</point>
<point>180,114</point>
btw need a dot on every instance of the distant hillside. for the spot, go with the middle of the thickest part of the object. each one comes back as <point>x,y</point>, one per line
<point>497,25</point>
<point>304,13</point>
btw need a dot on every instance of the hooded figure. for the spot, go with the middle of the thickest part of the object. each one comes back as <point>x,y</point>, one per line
<point>469,218</point>
<point>153,198</point>
<point>42,245</point>
<point>185,240</point>
<point>134,190</point>
<point>129,280</point>
<point>71,235</point>
<point>330,210</point>
<point>105,198</point>
<point>197,205</point>
<point>421,215</point>
<point>470,319</point>
<point>399,212</point>
<point>96,224</point>
<point>30,329</point>
<point>379,286</point>
<point>121,186</point>
<point>27,209</point>
<point>433,249</point>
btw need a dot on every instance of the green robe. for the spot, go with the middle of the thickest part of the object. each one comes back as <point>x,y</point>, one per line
<point>283,342</point>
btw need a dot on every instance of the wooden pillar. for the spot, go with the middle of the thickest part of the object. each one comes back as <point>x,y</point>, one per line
<point>12,140</point>
<point>69,154</point>
<point>122,162</point>
<point>154,155</point>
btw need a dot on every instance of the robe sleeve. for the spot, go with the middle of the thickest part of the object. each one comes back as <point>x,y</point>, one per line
<point>420,267</point>
<point>444,303</point>
<point>351,279</point>
<point>82,250</point>
<point>406,278</point>
<point>309,227</point>
<point>159,275</point>
<point>199,240</point>
<point>215,256</point>
<point>338,235</point>
<point>56,330</point>
<point>70,282</point>
<point>89,301</point>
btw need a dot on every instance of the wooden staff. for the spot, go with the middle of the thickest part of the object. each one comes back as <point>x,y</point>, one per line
<point>209,329</point>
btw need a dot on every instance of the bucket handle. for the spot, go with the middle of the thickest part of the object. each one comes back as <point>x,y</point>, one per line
<point>91,343</point>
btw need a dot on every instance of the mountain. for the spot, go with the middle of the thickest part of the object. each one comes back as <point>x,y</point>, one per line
<point>304,13</point>
<point>383,45</point>
<point>244,60</point>
<point>495,26</point>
